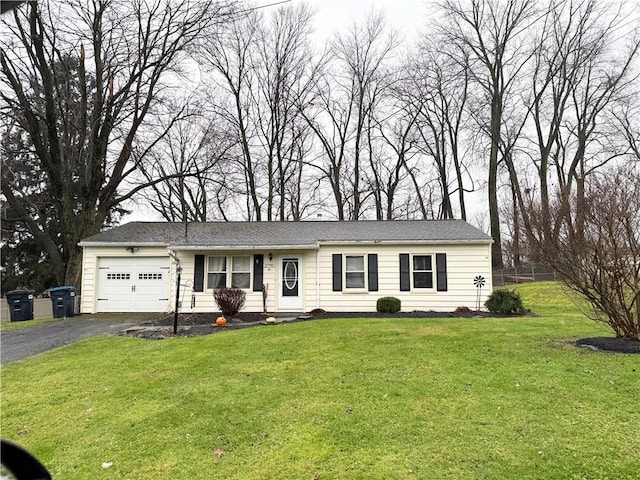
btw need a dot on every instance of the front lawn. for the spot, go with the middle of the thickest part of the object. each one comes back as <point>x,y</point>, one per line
<point>336,399</point>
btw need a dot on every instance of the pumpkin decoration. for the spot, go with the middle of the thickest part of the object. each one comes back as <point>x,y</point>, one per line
<point>221,321</point>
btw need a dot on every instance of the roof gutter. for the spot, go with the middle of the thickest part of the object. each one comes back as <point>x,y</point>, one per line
<point>122,244</point>
<point>245,247</point>
<point>406,242</point>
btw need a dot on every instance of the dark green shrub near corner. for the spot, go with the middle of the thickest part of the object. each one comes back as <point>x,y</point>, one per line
<point>388,305</point>
<point>504,301</point>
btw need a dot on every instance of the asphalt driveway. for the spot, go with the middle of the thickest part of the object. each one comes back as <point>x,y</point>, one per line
<point>25,342</point>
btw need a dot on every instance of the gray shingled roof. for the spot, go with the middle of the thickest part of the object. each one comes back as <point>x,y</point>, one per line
<point>296,234</point>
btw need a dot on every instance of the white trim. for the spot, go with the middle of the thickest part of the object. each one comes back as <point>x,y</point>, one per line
<point>418,242</point>
<point>132,243</point>
<point>412,271</point>
<point>317,280</point>
<point>365,273</point>
<point>307,246</point>
<point>245,247</point>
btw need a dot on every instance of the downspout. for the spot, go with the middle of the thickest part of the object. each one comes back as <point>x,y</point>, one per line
<point>318,276</point>
<point>175,258</point>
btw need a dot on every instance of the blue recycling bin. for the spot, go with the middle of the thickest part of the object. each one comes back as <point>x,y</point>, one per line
<point>62,301</point>
<point>20,305</point>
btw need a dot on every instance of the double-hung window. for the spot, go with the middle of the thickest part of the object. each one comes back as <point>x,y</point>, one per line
<point>217,272</point>
<point>354,271</point>
<point>422,271</point>
<point>241,271</point>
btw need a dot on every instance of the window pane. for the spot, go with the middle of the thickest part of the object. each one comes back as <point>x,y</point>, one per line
<point>240,280</point>
<point>422,262</point>
<point>217,264</point>
<point>216,280</point>
<point>217,273</point>
<point>422,280</point>
<point>241,264</point>
<point>355,264</point>
<point>355,280</point>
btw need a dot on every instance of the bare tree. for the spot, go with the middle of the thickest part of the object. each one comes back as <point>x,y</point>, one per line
<point>438,87</point>
<point>228,60</point>
<point>578,76</point>
<point>84,97</point>
<point>344,99</point>
<point>282,77</point>
<point>363,52</point>
<point>601,261</point>
<point>262,64</point>
<point>329,118</point>
<point>627,117</point>
<point>194,158</point>
<point>390,161</point>
<point>493,35</point>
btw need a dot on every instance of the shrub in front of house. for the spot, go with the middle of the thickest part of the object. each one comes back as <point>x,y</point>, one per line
<point>388,305</point>
<point>230,300</point>
<point>505,302</point>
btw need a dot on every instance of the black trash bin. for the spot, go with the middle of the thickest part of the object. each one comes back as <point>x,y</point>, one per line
<point>20,305</point>
<point>62,301</point>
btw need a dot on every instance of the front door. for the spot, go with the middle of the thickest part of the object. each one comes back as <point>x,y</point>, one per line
<point>290,284</point>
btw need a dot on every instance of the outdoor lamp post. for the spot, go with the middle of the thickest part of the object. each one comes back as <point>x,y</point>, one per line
<point>175,314</point>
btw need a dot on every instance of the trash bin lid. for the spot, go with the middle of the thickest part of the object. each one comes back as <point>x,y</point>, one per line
<point>19,292</point>
<point>62,289</point>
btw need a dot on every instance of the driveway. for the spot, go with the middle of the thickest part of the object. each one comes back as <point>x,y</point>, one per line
<point>25,342</point>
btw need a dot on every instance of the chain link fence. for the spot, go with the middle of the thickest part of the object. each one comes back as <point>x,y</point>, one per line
<point>523,274</point>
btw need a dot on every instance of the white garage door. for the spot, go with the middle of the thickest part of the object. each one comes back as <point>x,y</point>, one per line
<point>133,284</point>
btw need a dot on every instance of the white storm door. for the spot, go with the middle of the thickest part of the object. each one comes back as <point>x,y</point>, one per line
<point>127,284</point>
<point>290,291</point>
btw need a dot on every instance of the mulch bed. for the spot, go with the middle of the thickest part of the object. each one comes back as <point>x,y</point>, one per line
<point>610,344</point>
<point>194,324</point>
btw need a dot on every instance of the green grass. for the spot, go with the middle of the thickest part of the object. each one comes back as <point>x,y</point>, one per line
<point>7,326</point>
<point>341,399</point>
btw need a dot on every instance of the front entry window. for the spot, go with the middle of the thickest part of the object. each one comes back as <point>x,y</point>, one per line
<point>290,277</point>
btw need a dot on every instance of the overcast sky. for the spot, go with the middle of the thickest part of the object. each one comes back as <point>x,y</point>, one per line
<point>332,15</point>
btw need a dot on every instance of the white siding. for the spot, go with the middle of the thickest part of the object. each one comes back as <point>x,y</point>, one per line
<point>203,302</point>
<point>464,263</point>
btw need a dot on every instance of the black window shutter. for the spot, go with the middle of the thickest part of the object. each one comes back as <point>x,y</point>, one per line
<point>198,273</point>
<point>373,271</point>
<point>405,282</point>
<point>258,272</point>
<point>336,269</point>
<point>441,272</point>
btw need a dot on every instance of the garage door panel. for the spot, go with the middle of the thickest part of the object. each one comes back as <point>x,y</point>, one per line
<point>150,288</point>
<point>133,284</point>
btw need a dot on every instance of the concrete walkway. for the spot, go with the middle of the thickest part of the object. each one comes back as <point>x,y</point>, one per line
<point>25,342</point>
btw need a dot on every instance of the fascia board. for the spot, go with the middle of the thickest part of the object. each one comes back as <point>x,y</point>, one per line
<point>241,247</point>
